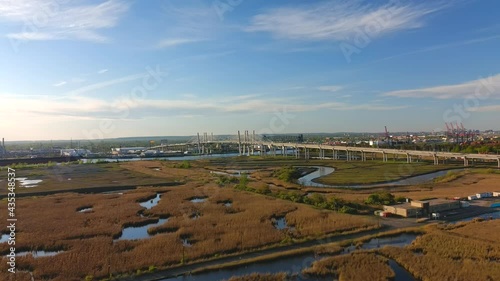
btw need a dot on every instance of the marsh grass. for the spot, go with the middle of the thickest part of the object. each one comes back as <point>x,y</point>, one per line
<point>463,252</point>
<point>52,222</point>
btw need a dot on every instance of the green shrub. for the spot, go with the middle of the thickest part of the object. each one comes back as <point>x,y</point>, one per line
<point>185,165</point>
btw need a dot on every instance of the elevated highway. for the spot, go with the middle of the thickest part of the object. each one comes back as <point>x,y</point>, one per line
<point>252,143</point>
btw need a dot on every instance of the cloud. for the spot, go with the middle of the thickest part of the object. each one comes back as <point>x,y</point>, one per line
<point>331,88</point>
<point>172,42</point>
<point>100,85</point>
<point>487,108</point>
<point>59,84</point>
<point>339,20</point>
<point>61,20</point>
<point>125,108</point>
<point>484,88</point>
<point>442,46</point>
<point>102,71</point>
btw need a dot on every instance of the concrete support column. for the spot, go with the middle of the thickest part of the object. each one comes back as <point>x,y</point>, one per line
<point>283,151</point>
<point>347,155</point>
<point>436,159</point>
<point>498,160</point>
<point>363,156</point>
<point>408,158</point>
<point>466,161</point>
<point>384,157</point>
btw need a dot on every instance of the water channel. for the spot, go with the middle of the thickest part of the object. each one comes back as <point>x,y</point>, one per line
<point>295,264</point>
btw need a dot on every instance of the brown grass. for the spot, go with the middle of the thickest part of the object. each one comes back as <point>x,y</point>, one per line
<point>460,254</point>
<point>356,266</point>
<point>53,223</point>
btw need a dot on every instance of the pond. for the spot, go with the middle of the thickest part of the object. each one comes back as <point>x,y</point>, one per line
<point>4,238</point>
<point>295,264</point>
<point>26,183</point>
<point>139,232</point>
<point>148,204</point>
<point>281,224</point>
<point>198,199</point>
<point>38,254</point>
<point>85,210</point>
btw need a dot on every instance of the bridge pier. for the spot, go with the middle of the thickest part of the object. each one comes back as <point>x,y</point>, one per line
<point>321,153</point>
<point>283,151</point>
<point>347,155</point>
<point>408,158</point>
<point>436,159</point>
<point>466,162</point>
<point>297,152</point>
<point>384,156</point>
<point>498,160</point>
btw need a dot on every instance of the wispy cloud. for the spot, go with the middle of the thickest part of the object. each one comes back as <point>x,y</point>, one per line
<point>330,88</point>
<point>172,42</point>
<point>442,46</point>
<point>488,87</point>
<point>100,85</point>
<point>338,20</point>
<point>487,108</point>
<point>87,108</point>
<point>102,71</point>
<point>58,20</point>
<point>59,84</point>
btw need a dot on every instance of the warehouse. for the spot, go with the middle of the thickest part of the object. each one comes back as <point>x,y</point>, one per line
<point>404,210</point>
<point>422,208</point>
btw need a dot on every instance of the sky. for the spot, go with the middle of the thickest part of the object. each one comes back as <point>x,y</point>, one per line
<point>95,69</point>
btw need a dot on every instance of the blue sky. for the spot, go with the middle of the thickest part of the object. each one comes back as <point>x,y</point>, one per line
<point>102,69</point>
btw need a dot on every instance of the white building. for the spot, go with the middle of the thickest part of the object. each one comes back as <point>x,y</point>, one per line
<point>75,152</point>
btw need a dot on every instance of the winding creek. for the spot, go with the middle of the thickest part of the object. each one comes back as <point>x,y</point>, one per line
<point>295,264</point>
<point>308,180</point>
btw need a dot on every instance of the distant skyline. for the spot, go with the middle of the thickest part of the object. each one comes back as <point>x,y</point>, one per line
<point>92,69</point>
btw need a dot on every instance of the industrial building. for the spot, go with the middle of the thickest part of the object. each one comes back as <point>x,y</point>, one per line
<point>418,208</point>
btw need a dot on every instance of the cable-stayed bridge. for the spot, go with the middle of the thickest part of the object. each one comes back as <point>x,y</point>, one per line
<point>251,143</point>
